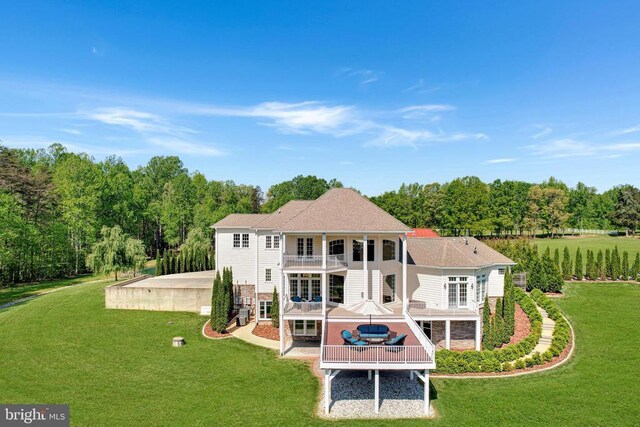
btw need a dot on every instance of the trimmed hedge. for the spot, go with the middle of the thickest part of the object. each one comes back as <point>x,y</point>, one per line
<point>453,362</point>
<point>561,331</point>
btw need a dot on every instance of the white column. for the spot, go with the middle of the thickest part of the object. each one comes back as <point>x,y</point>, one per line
<point>426,392</point>
<point>327,390</point>
<point>365,267</point>
<point>324,251</point>
<point>405,297</point>
<point>323,292</point>
<point>369,374</point>
<point>411,375</point>
<point>478,336</point>
<point>282,295</point>
<point>377,391</point>
<point>447,334</point>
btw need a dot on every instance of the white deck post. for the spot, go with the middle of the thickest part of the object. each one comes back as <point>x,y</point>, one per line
<point>405,297</point>
<point>377,391</point>
<point>426,392</point>
<point>365,267</point>
<point>369,374</point>
<point>478,336</point>
<point>447,334</point>
<point>282,295</point>
<point>411,375</point>
<point>327,390</point>
<point>323,291</point>
<point>324,251</point>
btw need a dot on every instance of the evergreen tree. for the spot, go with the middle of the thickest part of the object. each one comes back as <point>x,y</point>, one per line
<point>551,275</point>
<point>486,325</point>
<point>578,270</point>
<point>536,278</point>
<point>567,267</point>
<point>499,322</point>
<point>166,269</point>
<point>600,266</point>
<point>227,277</point>
<point>556,257</point>
<point>219,305</point>
<point>158,264</point>
<point>275,309</point>
<point>608,270</point>
<point>590,265</point>
<point>615,264</point>
<point>509,304</point>
<point>635,268</point>
<point>625,265</point>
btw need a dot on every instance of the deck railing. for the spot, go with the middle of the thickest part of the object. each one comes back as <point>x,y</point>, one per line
<point>309,307</point>
<point>313,261</point>
<point>426,343</point>
<point>375,354</point>
<point>420,308</point>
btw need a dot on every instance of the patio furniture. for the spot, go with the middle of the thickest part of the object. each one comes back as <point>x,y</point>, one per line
<point>317,299</point>
<point>397,341</point>
<point>374,331</point>
<point>349,339</point>
<point>296,299</point>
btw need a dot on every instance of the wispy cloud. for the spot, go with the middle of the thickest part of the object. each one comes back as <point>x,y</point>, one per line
<point>543,131</point>
<point>36,142</point>
<point>632,129</point>
<point>70,131</point>
<point>365,77</point>
<point>498,161</point>
<point>345,163</point>
<point>139,121</point>
<point>568,147</point>
<point>420,87</point>
<point>424,112</point>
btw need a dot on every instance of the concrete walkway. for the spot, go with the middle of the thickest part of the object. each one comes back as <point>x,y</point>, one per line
<point>244,333</point>
<point>547,334</point>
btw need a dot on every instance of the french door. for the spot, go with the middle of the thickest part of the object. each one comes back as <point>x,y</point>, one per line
<point>458,296</point>
<point>306,286</point>
<point>305,246</point>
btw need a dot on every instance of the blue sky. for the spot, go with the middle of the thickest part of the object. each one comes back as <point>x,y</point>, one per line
<point>372,93</point>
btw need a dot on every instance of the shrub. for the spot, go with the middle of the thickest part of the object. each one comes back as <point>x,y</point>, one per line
<point>625,265</point>
<point>547,356</point>
<point>507,367</point>
<point>486,325</point>
<point>600,265</point>
<point>275,309</point>
<point>578,269</point>
<point>608,269</point>
<point>520,364</point>
<point>529,362</point>
<point>615,264</point>
<point>219,305</point>
<point>566,265</point>
<point>562,330</point>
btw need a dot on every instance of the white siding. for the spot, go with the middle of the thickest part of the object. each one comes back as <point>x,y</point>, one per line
<point>267,258</point>
<point>375,283</point>
<point>496,283</point>
<point>241,260</point>
<point>427,285</point>
<point>354,286</point>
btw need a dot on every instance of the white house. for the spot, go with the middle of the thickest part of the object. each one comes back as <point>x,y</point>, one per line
<point>327,256</point>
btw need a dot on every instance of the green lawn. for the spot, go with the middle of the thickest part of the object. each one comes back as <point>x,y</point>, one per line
<point>117,368</point>
<point>8,294</point>
<point>594,243</point>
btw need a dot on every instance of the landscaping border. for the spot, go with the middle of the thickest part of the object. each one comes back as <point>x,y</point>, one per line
<point>204,334</point>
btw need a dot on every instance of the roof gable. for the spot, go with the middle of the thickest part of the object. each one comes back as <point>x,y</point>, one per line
<point>453,252</point>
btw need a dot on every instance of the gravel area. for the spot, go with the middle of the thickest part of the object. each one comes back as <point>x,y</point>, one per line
<point>352,396</point>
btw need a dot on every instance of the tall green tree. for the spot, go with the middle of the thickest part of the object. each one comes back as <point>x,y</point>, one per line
<point>625,265</point>
<point>608,266</point>
<point>579,271</point>
<point>487,343</point>
<point>275,309</point>
<point>567,265</point>
<point>299,188</point>
<point>600,265</point>
<point>627,209</point>
<point>116,252</point>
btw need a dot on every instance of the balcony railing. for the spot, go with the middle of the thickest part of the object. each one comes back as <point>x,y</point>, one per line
<point>374,354</point>
<point>419,308</point>
<point>302,308</point>
<point>313,261</point>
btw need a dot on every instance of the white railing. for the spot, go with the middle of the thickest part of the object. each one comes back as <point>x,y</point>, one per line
<point>428,346</point>
<point>420,308</point>
<point>403,354</point>
<point>310,307</point>
<point>313,261</point>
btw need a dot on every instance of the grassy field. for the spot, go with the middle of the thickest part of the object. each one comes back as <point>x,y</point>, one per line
<point>117,368</point>
<point>9,294</point>
<point>594,243</point>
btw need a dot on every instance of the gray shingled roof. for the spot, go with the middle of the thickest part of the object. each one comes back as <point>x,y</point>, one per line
<point>284,214</point>
<point>343,210</point>
<point>240,220</point>
<point>453,252</point>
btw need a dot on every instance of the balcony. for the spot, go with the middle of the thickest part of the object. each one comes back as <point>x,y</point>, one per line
<point>419,309</point>
<point>313,262</point>
<point>302,309</point>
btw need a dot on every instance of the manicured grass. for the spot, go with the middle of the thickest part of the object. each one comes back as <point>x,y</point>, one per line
<point>594,243</point>
<point>117,368</point>
<point>8,294</point>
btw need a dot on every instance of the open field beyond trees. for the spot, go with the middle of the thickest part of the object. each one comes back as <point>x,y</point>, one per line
<point>594,243</point>
<point>117,367</point>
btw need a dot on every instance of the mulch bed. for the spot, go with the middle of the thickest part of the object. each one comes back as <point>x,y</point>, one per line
<point>265,330</point>
<point>210,333</point>
<point>522,326</point>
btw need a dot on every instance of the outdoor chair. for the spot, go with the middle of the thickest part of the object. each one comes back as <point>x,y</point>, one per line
<point>296,299</point>
<point>349,339</point>
<point>396,344</point>
<point>317,299</point>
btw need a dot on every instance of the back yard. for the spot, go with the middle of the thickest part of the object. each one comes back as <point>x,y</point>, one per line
<point>594,243</point>
<point>117,367</point>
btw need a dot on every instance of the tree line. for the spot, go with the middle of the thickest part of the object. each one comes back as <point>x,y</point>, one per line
<point>469,206</point>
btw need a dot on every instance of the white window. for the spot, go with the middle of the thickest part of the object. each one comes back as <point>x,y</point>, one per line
<point>501,271</point>
<point>388,250</point>
<point>336,288</point>
<point>389,294</point>
<point>276,242</point>
<point>245,240</point>
<point>458,292</point>
<point>265,310</point>
<point>267,244</point>
<point>481,287</point>
<point>267,274</point>
<point>305,328</point>
<point>236,240</point>
<point>336,247</point>
<point>426,328</point>
<point>305,249</point>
